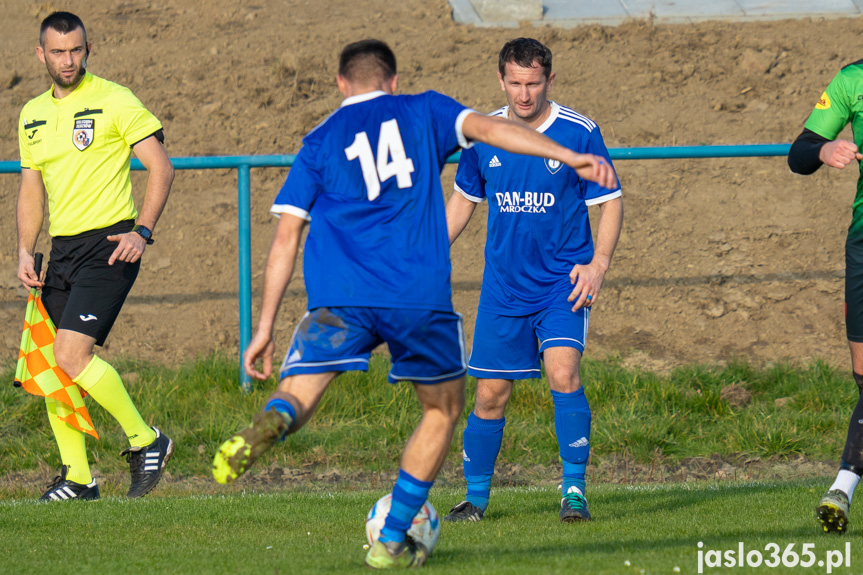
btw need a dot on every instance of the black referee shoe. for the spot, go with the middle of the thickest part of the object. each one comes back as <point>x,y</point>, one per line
<point>146,464</point>
<point>61,489</point>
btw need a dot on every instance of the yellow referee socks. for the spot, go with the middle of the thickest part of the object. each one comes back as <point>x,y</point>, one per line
<point>70,441</point>
<point>103,383</point>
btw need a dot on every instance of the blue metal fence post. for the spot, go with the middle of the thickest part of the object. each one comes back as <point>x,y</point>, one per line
<point>244,259</point>
<point>243,164</point>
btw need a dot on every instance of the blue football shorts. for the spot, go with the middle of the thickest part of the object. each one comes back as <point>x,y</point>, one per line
<point>510,347</point>
<point>426,346</point>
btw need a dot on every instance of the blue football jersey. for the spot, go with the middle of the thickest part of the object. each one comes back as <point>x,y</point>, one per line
<point>538,226</point>
<point>368,180</point>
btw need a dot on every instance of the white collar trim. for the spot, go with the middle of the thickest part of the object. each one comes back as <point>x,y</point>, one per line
<point>552,116</point>
<point>362,98</point>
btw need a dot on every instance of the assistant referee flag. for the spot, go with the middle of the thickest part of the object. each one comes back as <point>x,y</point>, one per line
<point>37,371</point>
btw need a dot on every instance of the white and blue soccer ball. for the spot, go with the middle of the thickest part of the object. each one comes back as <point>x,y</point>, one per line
<point>425,528</point>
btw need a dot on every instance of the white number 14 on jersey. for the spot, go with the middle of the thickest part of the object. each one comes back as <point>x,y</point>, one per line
<point>391,159</point>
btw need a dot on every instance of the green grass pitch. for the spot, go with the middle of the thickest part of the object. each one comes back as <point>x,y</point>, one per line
<point>637,530</point>
<point>362,425</point>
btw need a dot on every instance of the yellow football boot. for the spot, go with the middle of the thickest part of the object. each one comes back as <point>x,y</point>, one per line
<point>238,453</point>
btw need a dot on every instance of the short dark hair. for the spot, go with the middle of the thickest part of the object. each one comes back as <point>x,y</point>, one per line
<point>62,22</point>
<point>367,60</point>
<point>527,53</point>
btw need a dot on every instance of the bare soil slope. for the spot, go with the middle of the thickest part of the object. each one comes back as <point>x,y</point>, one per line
<point>718,259</point>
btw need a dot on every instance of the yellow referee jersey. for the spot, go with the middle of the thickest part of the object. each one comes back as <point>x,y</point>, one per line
<point>82,144</point>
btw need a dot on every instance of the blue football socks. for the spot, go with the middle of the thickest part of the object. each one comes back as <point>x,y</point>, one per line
<point>572,424</point>
<point>285,409</point>
<point>481,440</point>
<point>409,494</point>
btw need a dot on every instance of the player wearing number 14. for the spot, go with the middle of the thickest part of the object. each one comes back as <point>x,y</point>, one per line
<point>376,266</point>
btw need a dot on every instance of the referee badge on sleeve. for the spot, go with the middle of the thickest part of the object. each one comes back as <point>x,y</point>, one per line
<point>82,135</point>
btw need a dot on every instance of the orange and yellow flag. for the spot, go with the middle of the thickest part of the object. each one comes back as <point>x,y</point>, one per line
<point>37,370</point>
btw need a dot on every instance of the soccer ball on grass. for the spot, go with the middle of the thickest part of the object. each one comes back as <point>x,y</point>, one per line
<point>424,529</point>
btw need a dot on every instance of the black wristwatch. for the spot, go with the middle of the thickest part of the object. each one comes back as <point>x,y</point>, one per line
<point>145,233</point>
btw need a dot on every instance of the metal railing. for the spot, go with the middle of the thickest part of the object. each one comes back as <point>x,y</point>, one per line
<point>244,164</point>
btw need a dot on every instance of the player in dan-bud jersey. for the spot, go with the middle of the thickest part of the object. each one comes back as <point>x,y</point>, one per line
<point>542,274</point>
<point>376,266</point>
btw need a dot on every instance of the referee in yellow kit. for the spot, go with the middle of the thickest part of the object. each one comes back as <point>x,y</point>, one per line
<point>76,141</point>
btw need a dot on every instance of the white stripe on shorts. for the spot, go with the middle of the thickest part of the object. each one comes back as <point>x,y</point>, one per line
<point>505,370</point>
<point>333,362</point>
<point>291,344</point>
<point>586,325</point>
<point>443,377</point>
<point>542,343</point>
<point>461,341</point>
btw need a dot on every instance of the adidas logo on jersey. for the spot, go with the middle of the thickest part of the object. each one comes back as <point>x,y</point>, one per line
<point>583,442</point>
<point>494,163</point>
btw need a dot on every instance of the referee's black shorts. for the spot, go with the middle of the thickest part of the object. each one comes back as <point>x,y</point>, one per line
<point>82,292</point>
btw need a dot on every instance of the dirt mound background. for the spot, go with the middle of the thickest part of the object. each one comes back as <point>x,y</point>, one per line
<point>718,258</point>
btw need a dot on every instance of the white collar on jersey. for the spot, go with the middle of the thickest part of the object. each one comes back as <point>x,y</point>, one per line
<point>552,116</point>
<point>362,98</point>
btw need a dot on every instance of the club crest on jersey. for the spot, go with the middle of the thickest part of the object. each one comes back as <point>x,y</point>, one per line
<point>82,135</point>
<point>553,165</point>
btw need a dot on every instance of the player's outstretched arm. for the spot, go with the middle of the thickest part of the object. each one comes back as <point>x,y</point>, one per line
<point>519,139</point>
<point>588,278</point>
<point>459,209</point>
<point>812,150</point>
<point>277,276</point>
<point>803,156</point>
<point>30,211</point>
<point>131,246</point>
<point>839,153</point>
